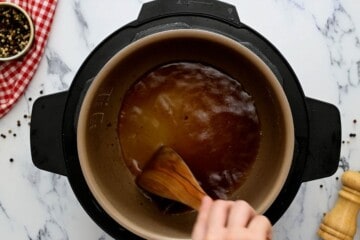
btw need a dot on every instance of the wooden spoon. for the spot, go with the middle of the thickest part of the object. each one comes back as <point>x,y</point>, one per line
<point>168,176</point>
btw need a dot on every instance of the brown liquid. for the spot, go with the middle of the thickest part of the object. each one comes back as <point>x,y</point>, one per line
<point>202,113</point>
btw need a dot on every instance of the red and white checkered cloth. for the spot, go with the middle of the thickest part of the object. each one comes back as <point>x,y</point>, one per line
<point>16,75</point>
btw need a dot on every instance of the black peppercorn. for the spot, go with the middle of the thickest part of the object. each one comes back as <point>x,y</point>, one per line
<point>14,31</point>
<point>352,135</point>
<point>3,136</point>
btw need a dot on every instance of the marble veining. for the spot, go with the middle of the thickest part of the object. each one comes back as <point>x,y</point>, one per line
<point>320,39</point>
<point>51,230</point>
<point>297,4</point>
<point>339,30</point>
<point>3,211</point>
<point>344,164</point>
<point>84,28</point>
<point>58,68</point>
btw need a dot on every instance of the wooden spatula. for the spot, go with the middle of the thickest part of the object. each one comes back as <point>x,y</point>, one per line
<point>168,176</point>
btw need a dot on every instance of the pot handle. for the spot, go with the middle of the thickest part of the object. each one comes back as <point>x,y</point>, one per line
<point>45,133</point>
<point>211,8</point>
<point>324,140</point>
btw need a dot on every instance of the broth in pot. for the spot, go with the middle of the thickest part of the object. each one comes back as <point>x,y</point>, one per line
<point>202,113</point>
<point>208,97</point>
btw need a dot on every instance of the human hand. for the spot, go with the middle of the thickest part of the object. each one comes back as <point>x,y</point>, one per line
<point>230,220</point>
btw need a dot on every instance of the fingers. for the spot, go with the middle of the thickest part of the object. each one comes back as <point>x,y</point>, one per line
<point>219,214</point>
<point>262,226</point>
<point>217,219</point>
<point>240,215</point>
<point>200,226</point>
<point>227,220</point>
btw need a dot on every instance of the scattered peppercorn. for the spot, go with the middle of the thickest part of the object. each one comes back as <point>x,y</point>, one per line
<point>337,178</point>
<point>352,135</point>
<point>9,131</point>
<point>354,121</point>
<point>3,136</point>
<point>41,92</point>
<point>321,186</point>
<point>343,142</point>
<point>14,31</point>
<point>30,99</point>
<point>18,123</point>
<point>25,116</point>
<point>11,160</point>
<point>14,134</point>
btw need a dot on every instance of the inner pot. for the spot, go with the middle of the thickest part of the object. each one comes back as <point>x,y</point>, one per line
<point>99,150</point>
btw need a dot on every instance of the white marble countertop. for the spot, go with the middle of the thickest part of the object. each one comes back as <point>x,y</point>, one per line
<point>320,40</point>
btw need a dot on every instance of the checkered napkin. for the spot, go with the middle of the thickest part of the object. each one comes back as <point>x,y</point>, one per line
<point>16,75</point>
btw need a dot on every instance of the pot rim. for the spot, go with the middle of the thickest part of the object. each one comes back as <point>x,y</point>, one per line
<point>168,34</point>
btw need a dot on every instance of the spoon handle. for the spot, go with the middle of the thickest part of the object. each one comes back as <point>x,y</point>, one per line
<point>168,176</point>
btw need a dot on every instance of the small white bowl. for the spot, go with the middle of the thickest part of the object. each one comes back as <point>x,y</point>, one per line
<point>32,32</point>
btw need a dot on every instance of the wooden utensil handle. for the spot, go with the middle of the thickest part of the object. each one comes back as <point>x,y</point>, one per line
<point>168,176</point>
<point>341,222</point>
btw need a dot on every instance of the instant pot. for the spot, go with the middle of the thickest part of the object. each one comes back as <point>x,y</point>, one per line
<point>317,127</point>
